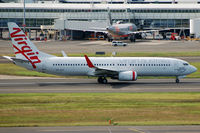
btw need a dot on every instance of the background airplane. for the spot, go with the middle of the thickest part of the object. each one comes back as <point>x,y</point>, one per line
<point>120,68</point>
<point>119,30</point>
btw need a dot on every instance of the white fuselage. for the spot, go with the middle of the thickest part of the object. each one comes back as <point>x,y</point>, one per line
<point>144,66</point>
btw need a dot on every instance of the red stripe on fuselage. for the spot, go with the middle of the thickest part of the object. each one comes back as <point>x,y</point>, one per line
<point>117,29</point>
<point>114,35</point>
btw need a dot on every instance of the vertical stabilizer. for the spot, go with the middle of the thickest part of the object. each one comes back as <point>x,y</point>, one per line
<point>109,17</point>
<point>23,47</point>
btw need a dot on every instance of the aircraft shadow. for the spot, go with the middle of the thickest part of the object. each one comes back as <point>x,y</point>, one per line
<point>118,85</point>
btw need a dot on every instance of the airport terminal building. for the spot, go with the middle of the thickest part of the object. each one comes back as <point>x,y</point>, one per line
<point>147,16</point>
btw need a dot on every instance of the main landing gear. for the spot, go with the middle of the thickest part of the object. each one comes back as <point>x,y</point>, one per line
<point>102,80</point>
<point>132,38</point>
<point>177,80</point>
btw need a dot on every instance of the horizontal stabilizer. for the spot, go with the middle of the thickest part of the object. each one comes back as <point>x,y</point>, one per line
<point>8,57</point>
<point>14,59</point>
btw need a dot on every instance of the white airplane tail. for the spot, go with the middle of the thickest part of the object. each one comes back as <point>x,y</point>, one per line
<point>23,47</point>
<point>109,20</point>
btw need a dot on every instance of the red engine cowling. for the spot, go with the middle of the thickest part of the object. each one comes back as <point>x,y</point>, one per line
<point>127,76</point>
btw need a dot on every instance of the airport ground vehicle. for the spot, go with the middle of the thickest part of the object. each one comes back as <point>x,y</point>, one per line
<point>120,68</point>
<point>158,37</point>
<point>118,43</point>
<point>174,36</point>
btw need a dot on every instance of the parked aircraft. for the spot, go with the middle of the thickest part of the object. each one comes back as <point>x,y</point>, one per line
<point>125,30</point>
<point>119,30</point>
<point>120,68</point>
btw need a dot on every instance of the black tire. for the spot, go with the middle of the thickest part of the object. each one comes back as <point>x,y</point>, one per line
<point>177,80</point>
<point>104,81</point>
<point>100,80</point>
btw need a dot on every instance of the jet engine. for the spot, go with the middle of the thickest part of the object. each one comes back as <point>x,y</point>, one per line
<point>127,76</point>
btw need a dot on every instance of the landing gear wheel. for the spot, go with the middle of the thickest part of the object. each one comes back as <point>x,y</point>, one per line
<point>177,80</point>
<point>102,80</point>
<point>105,81</point>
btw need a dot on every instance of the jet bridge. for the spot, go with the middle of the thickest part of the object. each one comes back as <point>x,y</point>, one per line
<point>66,26</point>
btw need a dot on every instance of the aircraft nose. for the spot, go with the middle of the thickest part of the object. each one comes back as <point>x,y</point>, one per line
<point>193,69</point>
<point>109,28</point>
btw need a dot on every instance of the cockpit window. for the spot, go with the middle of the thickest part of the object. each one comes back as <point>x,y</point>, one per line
<point>185,64</point>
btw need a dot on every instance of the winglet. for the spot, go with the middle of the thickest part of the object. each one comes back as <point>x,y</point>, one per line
<point>89,62</point>
<point>64,54</point>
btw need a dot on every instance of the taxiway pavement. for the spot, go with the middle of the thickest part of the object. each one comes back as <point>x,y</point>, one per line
<point>79,85</point>
<point>103,129</point>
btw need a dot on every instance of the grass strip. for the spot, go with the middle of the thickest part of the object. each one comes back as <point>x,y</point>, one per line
<point>70,109</point>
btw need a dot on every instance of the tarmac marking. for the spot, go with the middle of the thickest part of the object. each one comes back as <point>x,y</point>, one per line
<point>54,130</point>
<point>136,130</point>
<point>109,130</point>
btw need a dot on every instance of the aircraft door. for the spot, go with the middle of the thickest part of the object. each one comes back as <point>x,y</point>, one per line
<point>44,67</point>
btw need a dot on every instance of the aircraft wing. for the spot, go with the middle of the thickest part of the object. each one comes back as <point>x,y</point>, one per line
<point>96,29</point>
<point>100,71</point>
<point>92,29</point>
<point>147,31</point>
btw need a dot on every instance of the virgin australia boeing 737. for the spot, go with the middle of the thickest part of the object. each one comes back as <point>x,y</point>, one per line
<point>121,68</point>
